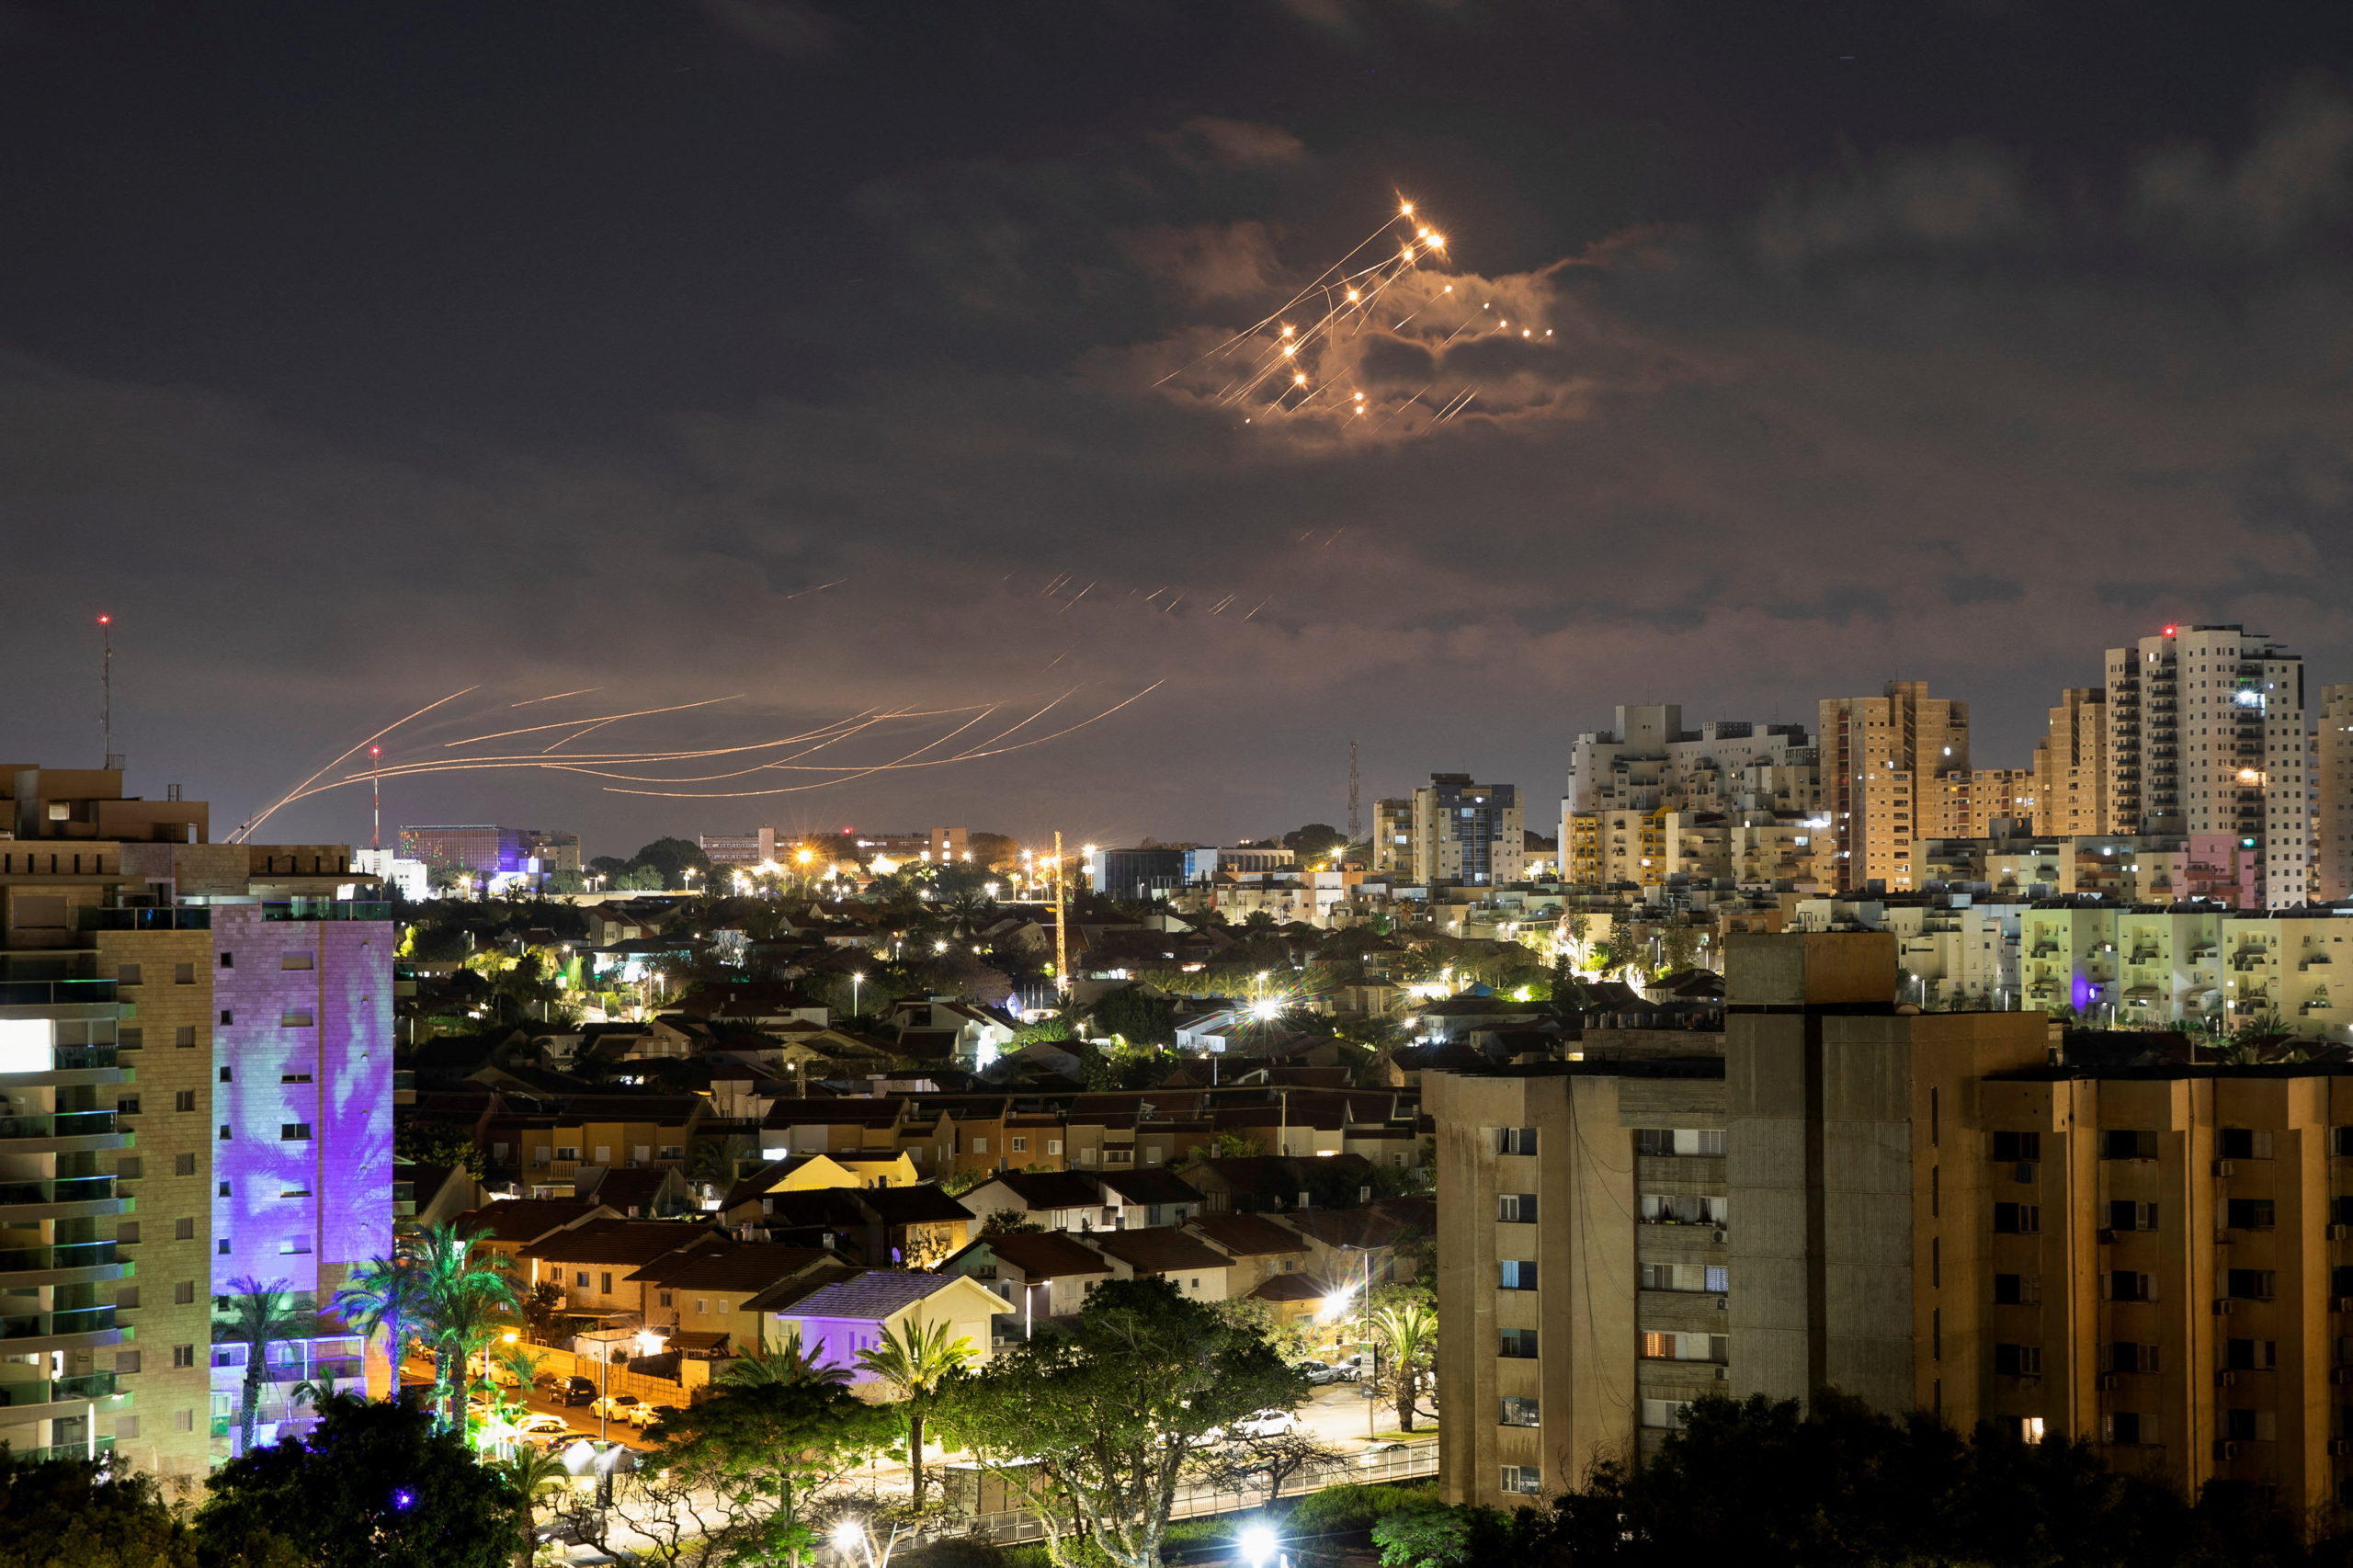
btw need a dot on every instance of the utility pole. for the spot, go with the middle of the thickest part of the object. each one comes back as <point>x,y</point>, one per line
<point>1356,818</point>
<point>1062,939</point>
<point>106,690</point>
<point>376,792</point>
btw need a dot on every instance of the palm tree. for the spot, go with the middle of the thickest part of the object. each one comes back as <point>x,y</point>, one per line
<point>915,1358</point>
<point>257,1315</point>
<point>787,1363</point>
<point>466,1300</point>
<point>533,1472</point>
<point>1407,1335</point>
<point>384,1296</point>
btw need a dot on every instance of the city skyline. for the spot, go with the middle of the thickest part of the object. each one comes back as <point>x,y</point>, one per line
<point>386,361</point>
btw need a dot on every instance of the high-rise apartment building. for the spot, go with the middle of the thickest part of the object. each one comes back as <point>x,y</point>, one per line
<point>2206,734</point>
<point>1467,835</point>
<point>2333,773</point>
<point>2072,789</point>
<point>1881,756</point>
<point>1393,837</point>
<point>1651,762</point>
<point>215,1021</point>
<point>1921,1209</point>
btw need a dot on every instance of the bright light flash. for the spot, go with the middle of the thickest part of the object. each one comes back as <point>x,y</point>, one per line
<point>1407,208</point>
<point>1299,379</point>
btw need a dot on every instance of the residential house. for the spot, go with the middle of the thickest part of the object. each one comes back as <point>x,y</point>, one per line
<point>1085,1201</point>
<point>1167,1252</point>
<point>839,1320</point>
<point>700,1299</point>
<point>595,1264</point>
<point>1260,1248</point>
<point>1044,1276</point>
<point>508,1227</point>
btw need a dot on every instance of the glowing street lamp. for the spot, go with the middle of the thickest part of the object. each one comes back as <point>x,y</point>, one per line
<point>1257,1544</point>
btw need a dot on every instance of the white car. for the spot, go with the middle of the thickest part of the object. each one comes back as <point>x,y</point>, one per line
<point>1266,1424</point>
<point>545,1426</point>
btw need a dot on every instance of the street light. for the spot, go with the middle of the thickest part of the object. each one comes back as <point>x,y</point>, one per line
<point>1257,1544</point>
<point>855,981</point>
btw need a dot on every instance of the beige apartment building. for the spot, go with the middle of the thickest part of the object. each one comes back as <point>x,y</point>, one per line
<point>1466,834</point>
<point>2130,968</point>
<point>2072,789</point>
<point>1878,756</point>
<point>2332,777</point>
<point>1924,1210</point>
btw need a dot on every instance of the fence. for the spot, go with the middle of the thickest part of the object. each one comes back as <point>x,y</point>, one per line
<point>1406,1463</point>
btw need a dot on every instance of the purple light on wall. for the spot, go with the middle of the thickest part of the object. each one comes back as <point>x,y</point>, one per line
<point>2084,990</point>
<point>307,1104</point>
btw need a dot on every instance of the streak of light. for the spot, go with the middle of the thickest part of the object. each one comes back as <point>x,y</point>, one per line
<point>568,724</point>
<point>818,589</point>
<point>554,696</point>
<point>1256,608</point>
<point>246,827</point>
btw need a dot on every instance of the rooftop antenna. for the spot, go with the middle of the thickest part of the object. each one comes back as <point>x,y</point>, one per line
<point>1356,821</point>
<point>106,692</point>
<point>376,796</point>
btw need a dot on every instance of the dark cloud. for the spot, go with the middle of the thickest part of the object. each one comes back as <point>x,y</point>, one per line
<point>790,27</point>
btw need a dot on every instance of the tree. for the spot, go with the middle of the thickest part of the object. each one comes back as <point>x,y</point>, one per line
<point>72,1513</point>
<point>257,1315</point>
<point>672,858</point>
<point>1010,1222</point>
<point>1226,1145</point>
<point>373,1486</point>
<point>533,1472</point>
<point>1406,1333</point>
<point>385,1296</point>
<point>1317,841</point>
<point>439,1143</point>
<point>1092,1428</point>
<point>995,851</point>
<point>788,1363</point>
<point>915,1358</point>
<point>762,1452</point>
<point>466,1300</point>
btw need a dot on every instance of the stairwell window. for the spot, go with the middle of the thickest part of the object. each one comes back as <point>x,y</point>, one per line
<point>2243,1143</point>
<point>1521,1413</point>
<point>2124,1215</point>
<point>2117,1143</point>
<point>1516,1275</point>
<point>2018,1360</point>
<point>1515,1139</point>
<point>2251,1284</point>
<point>294,1019</point>
<point>1665,1412</point>
<point>2017,1218</point>
<point>1515,1208</point>
<point>1523,1480</point>
<point>1519,1344</point>
<point>2251,1214</point>
<point>294,1131</point>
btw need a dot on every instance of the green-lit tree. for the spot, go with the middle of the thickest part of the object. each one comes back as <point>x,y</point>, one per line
<point>789,1362</point>
<point>384,1296</point>
<point>761,1454</point>
<point>1406,1333</point>
<point>257,1315</point>
<point>72,1513</point>
<point>1092,1428</point>
<point>467,1298</point>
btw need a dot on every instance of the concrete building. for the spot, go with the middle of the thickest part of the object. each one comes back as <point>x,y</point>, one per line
<point>2072,789</point>
<point>217,1020</point>
<point>1650,760</point>
<point>1140,875</point>
<point>1878,757</point>
<point>2333,772</point>
<point>1393,837</point>
<point>1466,834</point>
<point>2206,734</point>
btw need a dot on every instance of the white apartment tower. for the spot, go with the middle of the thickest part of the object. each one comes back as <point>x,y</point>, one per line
<point>2206,734</point>
<point>2332,837</point>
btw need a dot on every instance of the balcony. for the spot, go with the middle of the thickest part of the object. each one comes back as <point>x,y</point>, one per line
<point>53,1259</point>
<point>51,1193</point>
<point>66,1451</point>
<point>325,909</point>
<point>178,918</point>
<point>54,993</point>
<point>32,1331</point>
<point>57,1391</point>
<point>50,1126</point>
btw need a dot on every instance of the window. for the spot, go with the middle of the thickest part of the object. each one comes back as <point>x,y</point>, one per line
<point>125,1232</point>
<point>127,1105</point>
<point>1020,1145</point>
<point>1515,1208</point>
<point>605,1282</point>
<point>2017,1218</point>
<point>980,1145</point>
<point>2018,1360</point>
<point>293,1131</point>
<point>126,974</point>
<point>1662,1346</point>
<point>1521,1413</point>
<point>2128,1216</point>
<point>702,1306</point>
<point>663,1298</point>
<point>224,1189</point>
<point>2341,1140</point>
<point>184,1228</point>
<point>183,975</point>
<point>2243,1143</point>
<point>228,960</point>
<point>2250,1354</point>
<point>2017,1290</point>
<point>294,1019</point>
<point>126,1425</point>
<point>2251,1213</point>
<point>1523,1480</point>
<point>1520,1342</point>
<point>2250,1426</point>
<point>580,1278</point>
<point>129,1168</point>
<point>2125,1285</point>
<point>2249,1284</point>
<point>184,1099</point>
<point>294,1077</point>
<point>2124,1427</point>
<point>1710,1277</point>
<point>2125,1355</point>
<point>222,1247</point>
<point>1515,1139</point>
<point>1685,1141</point>
<point>228,1076</point>
<point>604,1153</point>
<point>2118,1144</point>
<point>224,1133</point>
<point>184,1294</point>
<point>1516,1275</point>
<point>131,1038</point>
<point>184,1039</point>
<point>2010,1147</point>
<point>1667,1413</point>
<point>294,1246</point>
<point>125,1297</point>
<point>228,1015</point>
<point>183,1355</point>
<point>295,960</point>
<point>1680,1209</point>
<point>126,1361</point>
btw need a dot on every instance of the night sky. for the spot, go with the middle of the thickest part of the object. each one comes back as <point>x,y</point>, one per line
<point>354,353</point>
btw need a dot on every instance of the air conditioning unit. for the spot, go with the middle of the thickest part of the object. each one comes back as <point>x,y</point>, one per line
<point>2226,1450</point>
<point>1724,1235</point>
<point>2339,1447</point>
<point>2108,1381</point>
<point>2340,1232</point>
<point>1723,1374</point>
<point>1723,1304</point>
<point>2226,1380</point>
<point>2107,1236</point>
<point>2224,1167</point>
<point>2223,1306</point>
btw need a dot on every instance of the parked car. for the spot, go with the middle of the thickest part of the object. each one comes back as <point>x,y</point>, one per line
<point>544,1427</point>
<point>618,1406</point>
<point>644,1416</point>
<point>1378,1449</point>
<point>575,1391</point>
<point>1321,1372</point>
<point>1266,1424</point>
